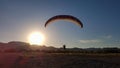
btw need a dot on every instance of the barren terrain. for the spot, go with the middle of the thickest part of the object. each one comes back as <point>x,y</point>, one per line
<point>59,60</point>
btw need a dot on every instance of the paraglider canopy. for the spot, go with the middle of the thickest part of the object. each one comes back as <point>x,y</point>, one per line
<point>64,17</point>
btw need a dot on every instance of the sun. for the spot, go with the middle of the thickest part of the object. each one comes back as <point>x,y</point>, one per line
<point>36,38</point>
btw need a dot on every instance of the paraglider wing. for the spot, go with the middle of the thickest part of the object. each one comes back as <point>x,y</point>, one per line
<point>64,17</point>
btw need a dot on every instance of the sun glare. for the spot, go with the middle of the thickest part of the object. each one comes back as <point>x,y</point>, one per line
<point>36,38</point>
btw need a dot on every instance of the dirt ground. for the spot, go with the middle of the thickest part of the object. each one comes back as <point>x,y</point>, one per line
<point>58,60</point>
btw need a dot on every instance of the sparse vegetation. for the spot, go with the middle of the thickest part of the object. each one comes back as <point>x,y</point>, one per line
<point>23,56</point>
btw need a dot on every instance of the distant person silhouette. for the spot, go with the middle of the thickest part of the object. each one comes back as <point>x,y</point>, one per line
<point>64,47</point>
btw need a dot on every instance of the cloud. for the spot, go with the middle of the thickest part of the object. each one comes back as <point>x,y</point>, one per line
<point>108,36</point>
<point>89,41</point>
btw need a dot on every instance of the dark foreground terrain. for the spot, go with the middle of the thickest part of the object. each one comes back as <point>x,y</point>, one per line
<point>59,60</point>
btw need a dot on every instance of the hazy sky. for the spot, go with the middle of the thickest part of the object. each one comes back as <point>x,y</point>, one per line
<point>101,20</point>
